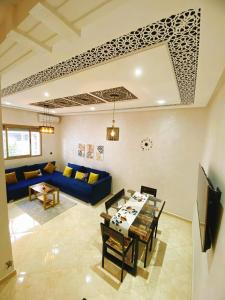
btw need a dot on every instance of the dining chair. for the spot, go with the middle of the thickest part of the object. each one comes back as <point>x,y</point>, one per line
<point>113,201</point>
<point>151,231</point>
<point>116,242</point>
<point>148,190</point>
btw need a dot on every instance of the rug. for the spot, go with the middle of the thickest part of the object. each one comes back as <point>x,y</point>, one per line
<point>36,210</point>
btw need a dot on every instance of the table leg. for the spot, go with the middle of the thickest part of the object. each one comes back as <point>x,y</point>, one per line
<point>135,256</point>
<point>45,200</point>
<point>57,196</point>
<point>29,194</point>
<point>54,203</point>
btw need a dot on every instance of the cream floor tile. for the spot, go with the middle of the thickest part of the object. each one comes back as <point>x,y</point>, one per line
<point>61,260</point>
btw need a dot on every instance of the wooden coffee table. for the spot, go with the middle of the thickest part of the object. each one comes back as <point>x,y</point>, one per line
<point>46,193</point>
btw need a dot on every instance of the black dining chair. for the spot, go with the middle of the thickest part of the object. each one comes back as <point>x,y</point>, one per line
<point>148,190</point>
<point>113,201</point>
<point>150,236</point>
<point>117,243</point>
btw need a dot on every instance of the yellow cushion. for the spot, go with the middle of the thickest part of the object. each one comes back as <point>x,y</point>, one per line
<point>67,171</point>
<point>49,168</point>
<point>93,178</point>
<point>80,175</point>
<point>31,174</point>
<point>10,178</point>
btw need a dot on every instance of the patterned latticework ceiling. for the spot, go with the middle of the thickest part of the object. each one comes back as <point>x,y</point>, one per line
<point>97,97</point>
<point>181,32</point>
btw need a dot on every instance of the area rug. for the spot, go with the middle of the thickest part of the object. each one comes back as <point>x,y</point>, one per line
<point>36,211</point>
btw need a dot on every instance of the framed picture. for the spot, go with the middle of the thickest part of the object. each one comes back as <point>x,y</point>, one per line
<point>90,151</point>
<point>81,150</point>
<point>99,152</point>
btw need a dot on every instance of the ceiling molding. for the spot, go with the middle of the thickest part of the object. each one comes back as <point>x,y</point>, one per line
<point>51,19</point>
<point>27,41</point>
<point>180,31</point>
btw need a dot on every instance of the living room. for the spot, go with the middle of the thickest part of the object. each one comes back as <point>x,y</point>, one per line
<point>104,129</point>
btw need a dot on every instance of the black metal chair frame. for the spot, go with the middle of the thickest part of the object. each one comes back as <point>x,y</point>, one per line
<point>115,198</point>
<point>153,228</point>
<point>108,232</point>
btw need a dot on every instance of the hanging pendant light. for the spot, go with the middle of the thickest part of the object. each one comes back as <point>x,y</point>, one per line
<point>46,127</point>
<point>112,133</point>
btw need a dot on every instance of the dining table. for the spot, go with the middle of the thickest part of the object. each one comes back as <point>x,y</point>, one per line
<point>133,219</point>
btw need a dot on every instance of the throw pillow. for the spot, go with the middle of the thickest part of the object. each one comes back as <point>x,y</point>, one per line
<point>81,176</point>
<point>93,178</point>
<point>49,168</point>
<point>67,171</point>
<point>31,174</point>
<point>10,177</point>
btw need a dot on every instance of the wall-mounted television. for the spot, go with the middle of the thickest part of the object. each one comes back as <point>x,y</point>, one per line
<point>207,203</point>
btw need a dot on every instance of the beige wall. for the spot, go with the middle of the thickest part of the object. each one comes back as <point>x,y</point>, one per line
<point>5,245</point>
<point>50,142</point>
<point>170,166</point>
<point>209,268</point>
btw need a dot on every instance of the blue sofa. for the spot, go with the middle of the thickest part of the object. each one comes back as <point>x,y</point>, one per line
<point>90,193</point>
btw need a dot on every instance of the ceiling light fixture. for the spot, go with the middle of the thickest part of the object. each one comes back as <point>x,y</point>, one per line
<point>161,102</point>
<point>46,127</point>
<point>46,94</point>
<point>7,103</point>
<point>92,108</point>
<point>138,72</point>
<point>112,133</point>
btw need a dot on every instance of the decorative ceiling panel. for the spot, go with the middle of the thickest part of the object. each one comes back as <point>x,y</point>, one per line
<point>115,94</point>
<point>109,95</point>
<point>85,99</point>
<point>180,31</point>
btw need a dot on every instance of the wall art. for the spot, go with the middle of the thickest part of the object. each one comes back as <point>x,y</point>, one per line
<point>146,144</point>
<point>90,151</point>
<point>81,150</point>
<point>99,152</point>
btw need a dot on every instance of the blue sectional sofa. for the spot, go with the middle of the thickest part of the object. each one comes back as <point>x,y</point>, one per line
<point>90,193</point>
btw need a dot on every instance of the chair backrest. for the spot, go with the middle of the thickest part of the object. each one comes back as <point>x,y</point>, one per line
<point>114,199</point>
<point>108,232</point>
<point>148,190</point>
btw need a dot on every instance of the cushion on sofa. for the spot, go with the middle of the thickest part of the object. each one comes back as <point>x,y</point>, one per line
<point>75,169</point>
<point>67,171</point>
<point>49,168</point>
<point>10,178</point>
<point>93,178</point>
<point>32,174</point>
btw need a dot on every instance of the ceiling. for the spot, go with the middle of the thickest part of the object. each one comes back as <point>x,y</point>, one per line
<point>65,48</point>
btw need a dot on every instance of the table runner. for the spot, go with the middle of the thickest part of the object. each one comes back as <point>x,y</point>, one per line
<point>124,218</point>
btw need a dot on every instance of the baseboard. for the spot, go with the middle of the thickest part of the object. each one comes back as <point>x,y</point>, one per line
<point>177,216</point>
<point>11,274</point>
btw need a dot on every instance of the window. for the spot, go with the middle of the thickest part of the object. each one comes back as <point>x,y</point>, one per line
<point>21,141</point>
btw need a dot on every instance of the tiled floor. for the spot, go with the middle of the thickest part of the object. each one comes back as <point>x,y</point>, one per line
<point>61,260</point>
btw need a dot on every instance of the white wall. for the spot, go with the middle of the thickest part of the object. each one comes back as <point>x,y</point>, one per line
<point>5,244</point>
<point>170,166</point>
<point>209,267</point>
<point>50,142</point>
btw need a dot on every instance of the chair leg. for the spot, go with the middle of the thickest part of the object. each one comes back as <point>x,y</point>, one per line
<point>146,253</point>
<point>121,279</point>
<point>132,254</point>
<point>156,228</point>
<point>150,248</point>
<point>103,252</point>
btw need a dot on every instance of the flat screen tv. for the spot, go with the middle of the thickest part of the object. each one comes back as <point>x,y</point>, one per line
<point>207,202</point>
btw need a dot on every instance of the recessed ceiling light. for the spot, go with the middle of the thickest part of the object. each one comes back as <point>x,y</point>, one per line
<point>53,111</point>
<point>46,94</point>
<point>92,108</point>
<point>161,102</point>
<point>138,72</point>
<point>7,103</point>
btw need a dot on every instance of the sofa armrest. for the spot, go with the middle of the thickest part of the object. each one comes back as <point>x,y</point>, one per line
<point>101,189</point>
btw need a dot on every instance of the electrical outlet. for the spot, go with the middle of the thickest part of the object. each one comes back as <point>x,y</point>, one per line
<point>9,264</point>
